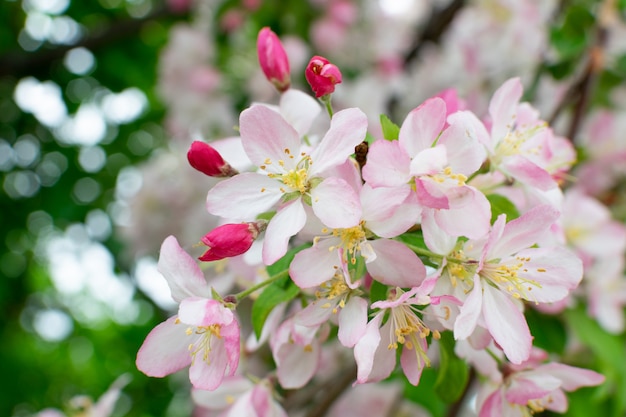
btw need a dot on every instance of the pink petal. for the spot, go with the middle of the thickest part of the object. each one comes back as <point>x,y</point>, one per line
<point>388,165</point>
<point>493,405</point>
<point>524,388</point>
<point>381,202</point>
<point>430,194</point>
<point>222,397</point>
<point>366,347</point>
<point>181,271</point>
<point>165,349</point>
<point>470,311</point>
<point>297,364</point>
<point>352,321</point>
<point>336,204</point>
<point>198,311</point>
<point>316,313</point>
<point>507,325</point>
<point>411,364</point>
<point>430,161</point>
<point>347,129</point>
<point>527,172</point>
<point>401,219</point>
<point>503,107</point>
<point>572,378</point>
<point>299,110</point>
<point>471,220</point>
<point>524,231</point>
<point>557,270</point>
<point>435,238</point>
<point>422,126</point>
<point>395,264</point>
<point>464,140</point>
<point>288,221</point>
<point>208,375</point>
<point>314,266</point>
<point>243,196</point>
<point>265,134</point>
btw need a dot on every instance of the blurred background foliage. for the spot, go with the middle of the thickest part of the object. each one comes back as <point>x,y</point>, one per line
<point>73,314</point>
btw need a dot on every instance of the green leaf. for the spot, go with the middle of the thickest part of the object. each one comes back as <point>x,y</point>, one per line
<point>284,262</point>
<point>378,292</point>
<point>453,372</point>
<point>608,351</point>
<point>274,294</point>
<point>390,129</point>
<point>548,331</point>
<point>424,394</point>
<point>278,292</point>
<point>502,205</point>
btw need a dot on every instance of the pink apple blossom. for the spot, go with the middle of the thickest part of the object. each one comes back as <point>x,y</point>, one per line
<point>289,177</point>
<point>490,274</point>
<point>375,352</point>
<point>521,145</point>
<point>436,163</point>
<point>203,335</point>
<point>533,387</point>
<point>238,396</point>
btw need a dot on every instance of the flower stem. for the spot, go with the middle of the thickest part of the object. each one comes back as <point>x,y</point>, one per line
<point>426,252</point>
<point>243,294</point>
<point>329,107</point>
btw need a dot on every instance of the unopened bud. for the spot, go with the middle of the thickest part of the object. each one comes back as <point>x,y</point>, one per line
<point>231,240</point>
<point>206,159</point>
<point>273,59</point>
<point>322,76</point>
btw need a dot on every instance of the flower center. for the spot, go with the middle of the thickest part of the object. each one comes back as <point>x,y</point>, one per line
<point>514,141</point>
<point>448,175</point>
<point>409,330</point>
<point>202,344</point>
<point>297,179</point>
<point>333,289</point>
<point>507,276</point>
<point>350,240</point>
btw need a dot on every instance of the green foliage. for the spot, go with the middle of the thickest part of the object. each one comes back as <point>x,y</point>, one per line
<point>378,292</point>
<point>502,205</point>
<point>548,331</point>
<point>424,394</point>
<point>280,291</point>
<point>391,130</point>
<point>608,352</point>
<point>453,374</point>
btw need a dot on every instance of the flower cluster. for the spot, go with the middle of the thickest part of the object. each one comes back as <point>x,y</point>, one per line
<point>443,231</point>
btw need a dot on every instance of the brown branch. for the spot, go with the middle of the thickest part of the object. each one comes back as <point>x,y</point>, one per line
<point>438,23</point>
<point>581,89</point>
<point>21,63</point>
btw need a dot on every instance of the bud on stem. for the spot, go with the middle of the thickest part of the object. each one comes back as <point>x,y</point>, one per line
<point>273,59</point>
<point>322,76</point>
<point>231,240</point>
<point>207,160</point>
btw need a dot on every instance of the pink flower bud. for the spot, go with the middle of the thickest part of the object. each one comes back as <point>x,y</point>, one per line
<point>206,159</point>
<point>322,76</point>
<point>273,59</point>
<point>231,240</point>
